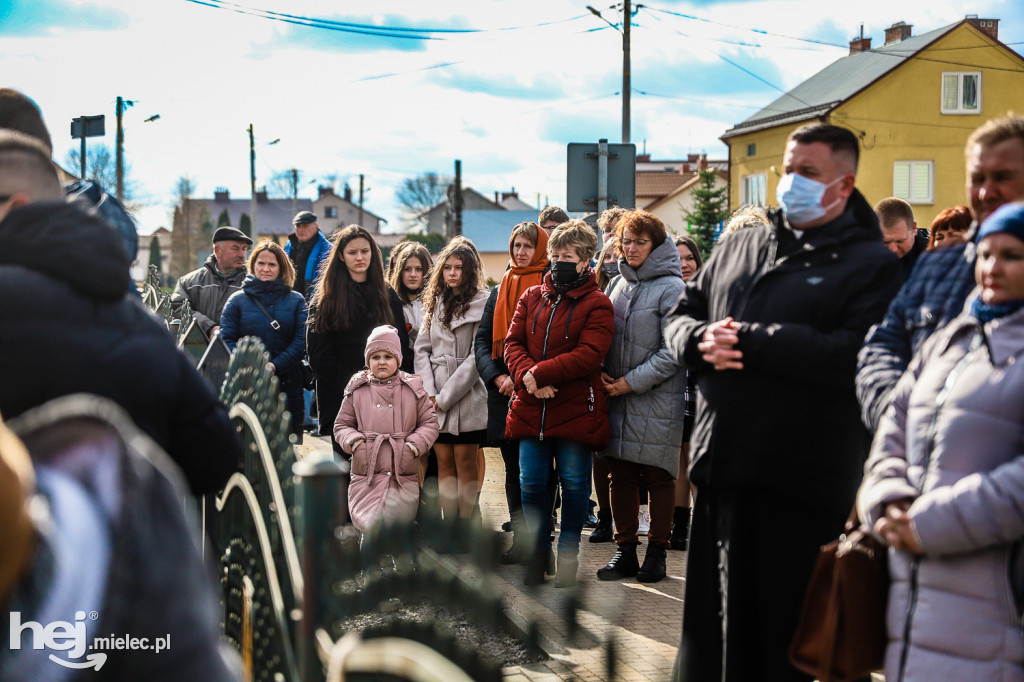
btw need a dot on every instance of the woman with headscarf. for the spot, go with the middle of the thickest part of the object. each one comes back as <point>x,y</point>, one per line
<point>527,248</point>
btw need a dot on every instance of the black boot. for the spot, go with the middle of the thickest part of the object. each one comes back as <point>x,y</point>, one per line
<point>680,528</point>
<point>518,552</point>
<point>535,568</point>
<point>623,565</point>
<point>603,532</point>
<point>653,569</point>
<point>568,565</point>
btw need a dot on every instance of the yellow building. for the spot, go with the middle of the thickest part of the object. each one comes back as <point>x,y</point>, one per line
<point>913,102</point>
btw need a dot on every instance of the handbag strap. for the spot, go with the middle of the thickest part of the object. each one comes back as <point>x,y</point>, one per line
<point>273,323</point>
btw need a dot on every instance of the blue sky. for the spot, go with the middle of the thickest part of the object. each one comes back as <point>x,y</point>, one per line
<point>505,102</point>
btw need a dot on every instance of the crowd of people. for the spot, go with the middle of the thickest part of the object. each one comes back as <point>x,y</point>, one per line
<point>735,402</point>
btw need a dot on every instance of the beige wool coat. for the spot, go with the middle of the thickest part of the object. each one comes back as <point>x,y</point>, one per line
<point>444,360</point>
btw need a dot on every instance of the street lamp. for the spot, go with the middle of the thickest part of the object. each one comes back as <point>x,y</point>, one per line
<point>627,22</point>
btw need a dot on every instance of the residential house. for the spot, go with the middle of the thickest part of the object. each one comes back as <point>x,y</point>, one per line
<point>913,102</point>
<point>665,188</point>
<point>489,231</point>
<point>333,212</point>
<point>196,219</point>
<point>437,221</point>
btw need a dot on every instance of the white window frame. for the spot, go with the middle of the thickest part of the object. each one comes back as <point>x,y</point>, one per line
<point>913,170</point>
<point>959,109</point>
<point>745,198</point>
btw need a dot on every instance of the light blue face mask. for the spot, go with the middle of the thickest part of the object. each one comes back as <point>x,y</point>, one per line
<point>800,198</point>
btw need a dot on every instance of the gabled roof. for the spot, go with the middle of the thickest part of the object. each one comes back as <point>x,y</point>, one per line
<point>329,195</point>
<point>655,184</point>
<point>690,183</point>
<point>837,82</point>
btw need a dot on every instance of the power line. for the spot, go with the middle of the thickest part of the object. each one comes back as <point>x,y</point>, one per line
<point>408,32</point>
<point>740,42</point>
<point>400,73</point>
<point>744,28</point>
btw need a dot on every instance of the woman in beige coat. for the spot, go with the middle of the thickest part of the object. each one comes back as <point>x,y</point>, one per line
<point>452,307</point>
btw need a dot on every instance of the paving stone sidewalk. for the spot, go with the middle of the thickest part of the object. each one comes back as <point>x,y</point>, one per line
<point>643,619</point>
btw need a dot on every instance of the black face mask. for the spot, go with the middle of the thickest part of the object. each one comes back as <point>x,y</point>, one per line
<point>564,272</point>
<point>610,269</point>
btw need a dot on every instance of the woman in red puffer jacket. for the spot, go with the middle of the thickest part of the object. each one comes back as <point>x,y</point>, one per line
<point>559,336</point>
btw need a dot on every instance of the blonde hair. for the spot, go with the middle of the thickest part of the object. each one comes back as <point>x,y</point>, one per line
<point>576,235</point>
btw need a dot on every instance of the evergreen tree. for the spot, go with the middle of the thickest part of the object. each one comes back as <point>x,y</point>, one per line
<point>223,219</point>
<point>154,254</point>
<point>710,207</point>
<point>245,224</point>
<point>433,242</point>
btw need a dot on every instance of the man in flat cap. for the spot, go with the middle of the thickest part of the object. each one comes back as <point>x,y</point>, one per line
<point>308,250</point>
<point>208,288</point>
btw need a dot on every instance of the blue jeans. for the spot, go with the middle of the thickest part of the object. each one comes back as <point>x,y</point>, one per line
<point>572,461</point>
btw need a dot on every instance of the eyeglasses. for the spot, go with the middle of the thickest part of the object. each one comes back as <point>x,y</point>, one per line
<point>639,243</point>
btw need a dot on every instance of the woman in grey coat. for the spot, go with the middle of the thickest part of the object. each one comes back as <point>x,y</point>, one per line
<point>945,483</point>
<point>647,392</point>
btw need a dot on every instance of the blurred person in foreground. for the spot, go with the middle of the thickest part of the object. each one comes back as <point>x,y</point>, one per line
<point>72,325</point>
<point>944,487</point>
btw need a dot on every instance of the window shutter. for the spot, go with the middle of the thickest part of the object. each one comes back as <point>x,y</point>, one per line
<point>901,180</point>
<point>950,96</point>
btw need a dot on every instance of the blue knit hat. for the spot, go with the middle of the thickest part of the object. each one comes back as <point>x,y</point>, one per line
<point>1007,218</point>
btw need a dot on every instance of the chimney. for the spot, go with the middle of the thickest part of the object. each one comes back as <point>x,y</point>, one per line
<point>261,195</point>
<point>989,27</point>
<point>510,195</point>
<point>861,44</point>
<point>220,195</point>
<point>702,164</point>
<point>496,199</point>
<point>322,190</point>
<point>684,169</point>
<point>643,158</point>
<point>693,158</point>
<point>897,32</point>
<point>348,193</point>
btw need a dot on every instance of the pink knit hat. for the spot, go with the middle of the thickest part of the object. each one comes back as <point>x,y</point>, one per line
<point>384,337</point>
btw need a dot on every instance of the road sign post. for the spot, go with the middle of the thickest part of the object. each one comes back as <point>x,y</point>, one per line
<point>87,126</point>
<point>600,175</point>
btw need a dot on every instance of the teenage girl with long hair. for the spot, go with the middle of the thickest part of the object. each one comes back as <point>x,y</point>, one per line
<point>350,299</point>
<point>453,304</point>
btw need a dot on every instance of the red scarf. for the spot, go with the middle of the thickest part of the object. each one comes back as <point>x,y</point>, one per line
<point>517,279</point>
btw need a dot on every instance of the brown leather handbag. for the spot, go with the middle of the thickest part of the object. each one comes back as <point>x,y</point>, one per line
<point>841,634</point>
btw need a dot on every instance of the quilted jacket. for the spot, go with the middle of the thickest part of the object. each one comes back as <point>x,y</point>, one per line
<point>563,338</point>
<point>646,424</point>
<point>962,612</point>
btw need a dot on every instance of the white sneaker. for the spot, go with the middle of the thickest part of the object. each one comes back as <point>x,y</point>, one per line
<point>644,519</point>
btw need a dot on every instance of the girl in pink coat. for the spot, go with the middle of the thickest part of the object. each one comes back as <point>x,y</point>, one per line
<point>386,423</point>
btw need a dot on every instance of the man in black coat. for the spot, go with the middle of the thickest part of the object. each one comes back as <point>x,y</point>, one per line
<point>771,327</point>
<point>70,325</point>
<point>900,233</point>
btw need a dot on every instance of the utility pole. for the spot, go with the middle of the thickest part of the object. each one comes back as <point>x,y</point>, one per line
<point>294,172</point>
<point>360,199</point>
<point>457,222</point>
<point>252,180</point>
<point>627,20</point>
<point>119,150</point>
<point>627,23</point>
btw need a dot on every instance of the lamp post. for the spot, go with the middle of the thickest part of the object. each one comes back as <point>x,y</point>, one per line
<point>627,20</point>
<point>123,104</point>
